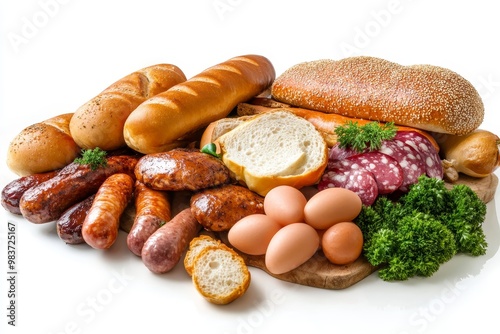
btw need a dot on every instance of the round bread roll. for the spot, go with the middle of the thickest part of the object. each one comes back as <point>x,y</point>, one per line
<point>422,96</point>
<point>43,147</point>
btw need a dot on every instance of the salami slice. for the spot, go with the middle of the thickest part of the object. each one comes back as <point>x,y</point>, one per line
<point>385,169</point>
<point>408,158</point>
<point>359,180</point>
<point>433,166</point>
<point>338,153</point>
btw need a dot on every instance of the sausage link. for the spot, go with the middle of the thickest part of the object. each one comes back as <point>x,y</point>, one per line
<point>47,201</point>
<point>12,192</point>
<point>69,225</point>
<point>164,248</point>
<point>100,227</point>
<point>153,210</point>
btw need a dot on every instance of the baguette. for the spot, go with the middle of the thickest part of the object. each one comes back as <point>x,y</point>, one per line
<point>43,147</point>
<point>99,122</point>
<point>422,96</point>
<point>160,123</point>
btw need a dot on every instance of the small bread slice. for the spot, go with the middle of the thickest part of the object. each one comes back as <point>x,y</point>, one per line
<point>220,274</point>
<point>195,247</point>
<point>272,149</point>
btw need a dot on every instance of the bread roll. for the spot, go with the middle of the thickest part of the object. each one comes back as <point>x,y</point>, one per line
<point>421,96</point>
<point>272,149</point>
<point>99,122</point>
<point>43,147</point>
<point>160,123</point>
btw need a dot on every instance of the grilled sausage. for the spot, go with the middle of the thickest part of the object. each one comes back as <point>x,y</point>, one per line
<point>69,225</point>
<point>219,208</point>
<point>164,248</point>
<point>152,211</point>
<point>47,201</point>
<point>181,169</point>
<point>12,192</point>
<point>100,227</point>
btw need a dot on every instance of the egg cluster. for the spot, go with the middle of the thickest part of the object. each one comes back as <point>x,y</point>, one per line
<point>295,225</point>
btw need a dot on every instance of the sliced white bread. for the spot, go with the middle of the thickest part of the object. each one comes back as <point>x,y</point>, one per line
<point>220,274</point>
<point>195,247</point>
<point>272,149</point>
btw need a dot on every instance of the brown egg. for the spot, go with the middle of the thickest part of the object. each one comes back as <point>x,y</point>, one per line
<point>252,234</point>
<point>342,243</point>
<point>331,206</point>
<point>285,204</point>
<point>290,247</point>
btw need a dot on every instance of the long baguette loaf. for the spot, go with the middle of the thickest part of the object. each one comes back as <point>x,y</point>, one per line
<point>42,147</point>
<point>99,122</point>
<point>160,123</point>
<point>422,96</point>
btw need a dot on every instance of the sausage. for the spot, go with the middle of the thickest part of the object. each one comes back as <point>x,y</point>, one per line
<point>152,211</point>
<point>361,181</point>
<point>100,227</point>
<point>164,248</point>
<point>181,169</point>
<point>12,192</point>
<point>47,201</point>
<point>385,169</point>
<point>323,122</point>
<point>219,208</point>
<point>69,225</point>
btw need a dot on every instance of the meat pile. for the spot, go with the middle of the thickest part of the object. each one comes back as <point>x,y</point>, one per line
<point>391,169</point>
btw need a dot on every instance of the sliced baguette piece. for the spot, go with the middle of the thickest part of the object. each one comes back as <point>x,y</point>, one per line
<point>220,274</point>
<point>195,247</point>
<point>272,149</point>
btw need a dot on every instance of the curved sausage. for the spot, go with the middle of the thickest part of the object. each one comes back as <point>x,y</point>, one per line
<point>69,225</point>
<point>47,201</point>
<point>152,211</point>
<point>12,192</point>
<point>164,248</point>
<point>100,227</point>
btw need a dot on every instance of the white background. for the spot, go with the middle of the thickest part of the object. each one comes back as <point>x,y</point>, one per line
<point>57,54</point>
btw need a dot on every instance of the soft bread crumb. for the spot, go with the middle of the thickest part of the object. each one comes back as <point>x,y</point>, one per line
<point>220,274</point>
<point>195,247</point>
<point>272,149</point>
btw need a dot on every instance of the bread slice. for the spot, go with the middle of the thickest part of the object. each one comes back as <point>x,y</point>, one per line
<point>272,149</point>
<point>220,274</point>
<point>195,247</point>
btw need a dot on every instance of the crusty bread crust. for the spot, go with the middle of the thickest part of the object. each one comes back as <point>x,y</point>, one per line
<point>427,97</point>
<point>43,147</point>
<point>160,123</point>
<point>99,122</point>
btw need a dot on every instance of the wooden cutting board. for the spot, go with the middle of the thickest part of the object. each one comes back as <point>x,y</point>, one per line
<point>320,273</point>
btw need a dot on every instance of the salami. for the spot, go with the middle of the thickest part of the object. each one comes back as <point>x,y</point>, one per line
<point>359,180</point>
<point>385,169</point>
<point>408,158</point>
<point>432,161</point>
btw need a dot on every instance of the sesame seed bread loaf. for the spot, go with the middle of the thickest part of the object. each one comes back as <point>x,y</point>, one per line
<point>427,97</point>
<point>274,148</point>
<point>220,274</point>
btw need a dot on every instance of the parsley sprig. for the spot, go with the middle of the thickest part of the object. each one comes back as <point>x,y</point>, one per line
<point>361,137</point>
<point>95,158</point>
